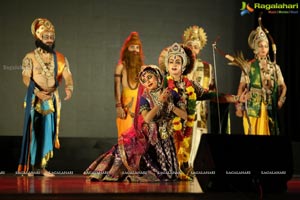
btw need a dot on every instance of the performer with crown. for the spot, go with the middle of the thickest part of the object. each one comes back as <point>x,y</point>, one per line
<point>195,38</point>
<point>145,152</point>
<point>177,62</point>
<point>43,70</point>
<point>264,80</point>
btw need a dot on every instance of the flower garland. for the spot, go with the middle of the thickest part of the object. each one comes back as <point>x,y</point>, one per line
<point>191,107</point>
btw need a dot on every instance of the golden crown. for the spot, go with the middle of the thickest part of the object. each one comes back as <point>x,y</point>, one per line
<point>195,34</point>
<point>257,36</point>
<point>40,25</point>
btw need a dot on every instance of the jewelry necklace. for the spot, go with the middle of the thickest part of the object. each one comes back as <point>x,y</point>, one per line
<point>128,81</point>
<point>48,70</point>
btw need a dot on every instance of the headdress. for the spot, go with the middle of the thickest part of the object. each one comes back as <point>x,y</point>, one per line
<point>255,37</point>
<point>186,54</point>
<point>40,25</point>
<point>195,34</point>
<point>155,71</point>
<point>267,36</point>
<point>161,59</point>
<point>176,50</point>
<point>133,39</point>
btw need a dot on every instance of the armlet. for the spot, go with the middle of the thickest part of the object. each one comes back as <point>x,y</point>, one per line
<point>118,75</point>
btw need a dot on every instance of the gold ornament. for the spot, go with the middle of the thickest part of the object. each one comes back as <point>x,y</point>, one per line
<point>195,34</point>
<point>257,36</point>
<point>40,25</point>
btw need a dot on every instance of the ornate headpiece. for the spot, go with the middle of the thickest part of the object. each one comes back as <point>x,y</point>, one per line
<point>164,56</point>
<point>176,50</point>
<point>40,25</point>
<point>255,37</point>
<point>154,70</point>
<point>195,34</point>
<point>161,59</point>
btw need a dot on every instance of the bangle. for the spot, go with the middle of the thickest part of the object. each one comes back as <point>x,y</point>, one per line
<point>282,99</point>
<point>236,98</point>
<point>239,106</point>
<point>171,107</point>
<point>118,105</point>
<point>36,90</point>
<point>160,104</point>
<point>70,87</point>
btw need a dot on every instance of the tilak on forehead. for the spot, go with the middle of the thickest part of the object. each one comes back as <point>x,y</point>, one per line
<point>176,50</point>
<point>41,25</point>
<point>153,69</point>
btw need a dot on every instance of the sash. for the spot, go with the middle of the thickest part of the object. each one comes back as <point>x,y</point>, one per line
<point>24,163</point>
<point>254,103</point>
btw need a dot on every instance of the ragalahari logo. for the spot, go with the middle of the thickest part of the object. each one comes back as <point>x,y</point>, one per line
<point>246,8</point>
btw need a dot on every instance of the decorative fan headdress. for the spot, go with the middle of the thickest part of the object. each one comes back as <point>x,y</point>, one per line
<point>195,34</point>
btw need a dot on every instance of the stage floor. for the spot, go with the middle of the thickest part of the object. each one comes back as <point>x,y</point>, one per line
<point>79,187</point>
<point>74,187</point>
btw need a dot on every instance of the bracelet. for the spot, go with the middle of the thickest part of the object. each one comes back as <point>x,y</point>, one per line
<point>236,98</point>
<point>171,107</point>
<point>70,87</point>
<point>118,105</point>
<point>239,106</point>
<point>36,90</point>
<point>160,104</point>
<point>282,99</point>
<point>118,75</point>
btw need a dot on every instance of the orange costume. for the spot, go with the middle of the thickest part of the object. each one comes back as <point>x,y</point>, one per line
<point>126,81</point>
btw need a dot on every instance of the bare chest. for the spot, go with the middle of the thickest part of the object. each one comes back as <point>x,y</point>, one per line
<point>43,70</point>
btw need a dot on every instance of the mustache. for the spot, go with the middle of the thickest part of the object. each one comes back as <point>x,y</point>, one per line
<point>48,48</point>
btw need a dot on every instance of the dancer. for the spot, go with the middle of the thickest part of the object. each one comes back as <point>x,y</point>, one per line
<point>195,38</point>
<point>145,152</point>
<point>178,61</point>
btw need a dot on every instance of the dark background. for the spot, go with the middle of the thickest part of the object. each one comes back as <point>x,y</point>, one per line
<point>90,34</point>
